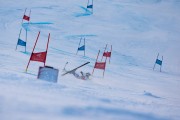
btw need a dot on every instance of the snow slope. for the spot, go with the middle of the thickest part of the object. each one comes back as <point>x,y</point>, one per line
<point>137,29</point>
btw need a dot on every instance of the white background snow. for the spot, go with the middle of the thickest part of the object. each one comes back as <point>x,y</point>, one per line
<point>137,29</point>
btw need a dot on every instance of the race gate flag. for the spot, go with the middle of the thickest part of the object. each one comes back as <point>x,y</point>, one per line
<point>158,61</point>
<point>20,41</point>
<point>107,54</point>
<point>100,65</point>
<point>81,48</point>
<point>90,5</point>
<point>40,56</point>
<point>26,17</point>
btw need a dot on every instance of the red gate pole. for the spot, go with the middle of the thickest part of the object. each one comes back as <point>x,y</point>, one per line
<point>47,48</point>
<point>29,16</point>
<point>104,52</point>
<point>105,67</point>
<point>36,41</point>
<point>96,61</point>
<point>110,55</point>
<point>23,16</point>
<point>33,50</point>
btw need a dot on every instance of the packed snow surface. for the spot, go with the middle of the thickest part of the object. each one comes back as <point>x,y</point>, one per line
<point>137,30</point>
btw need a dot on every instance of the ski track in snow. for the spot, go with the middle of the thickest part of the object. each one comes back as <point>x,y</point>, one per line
<point>86,12</point>
<point>130,90</point>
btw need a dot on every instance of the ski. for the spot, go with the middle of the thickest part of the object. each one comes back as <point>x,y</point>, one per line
<point>75,68</point>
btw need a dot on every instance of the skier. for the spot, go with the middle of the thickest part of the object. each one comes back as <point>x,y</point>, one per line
<point>83,76</point>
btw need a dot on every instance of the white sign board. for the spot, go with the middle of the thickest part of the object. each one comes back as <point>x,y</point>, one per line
<point>48,74</point>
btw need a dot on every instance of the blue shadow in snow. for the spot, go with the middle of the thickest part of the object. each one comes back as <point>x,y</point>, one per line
<point>27,53</point>
<point>79,36</point>
<point>124,59</point>
<point>150,95</point>
<point>26,25</point>
<point>63,52</point>
<point>86,12</point>
<point>37,23</point>
<point>97,111</point>
<point>71,54</point>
